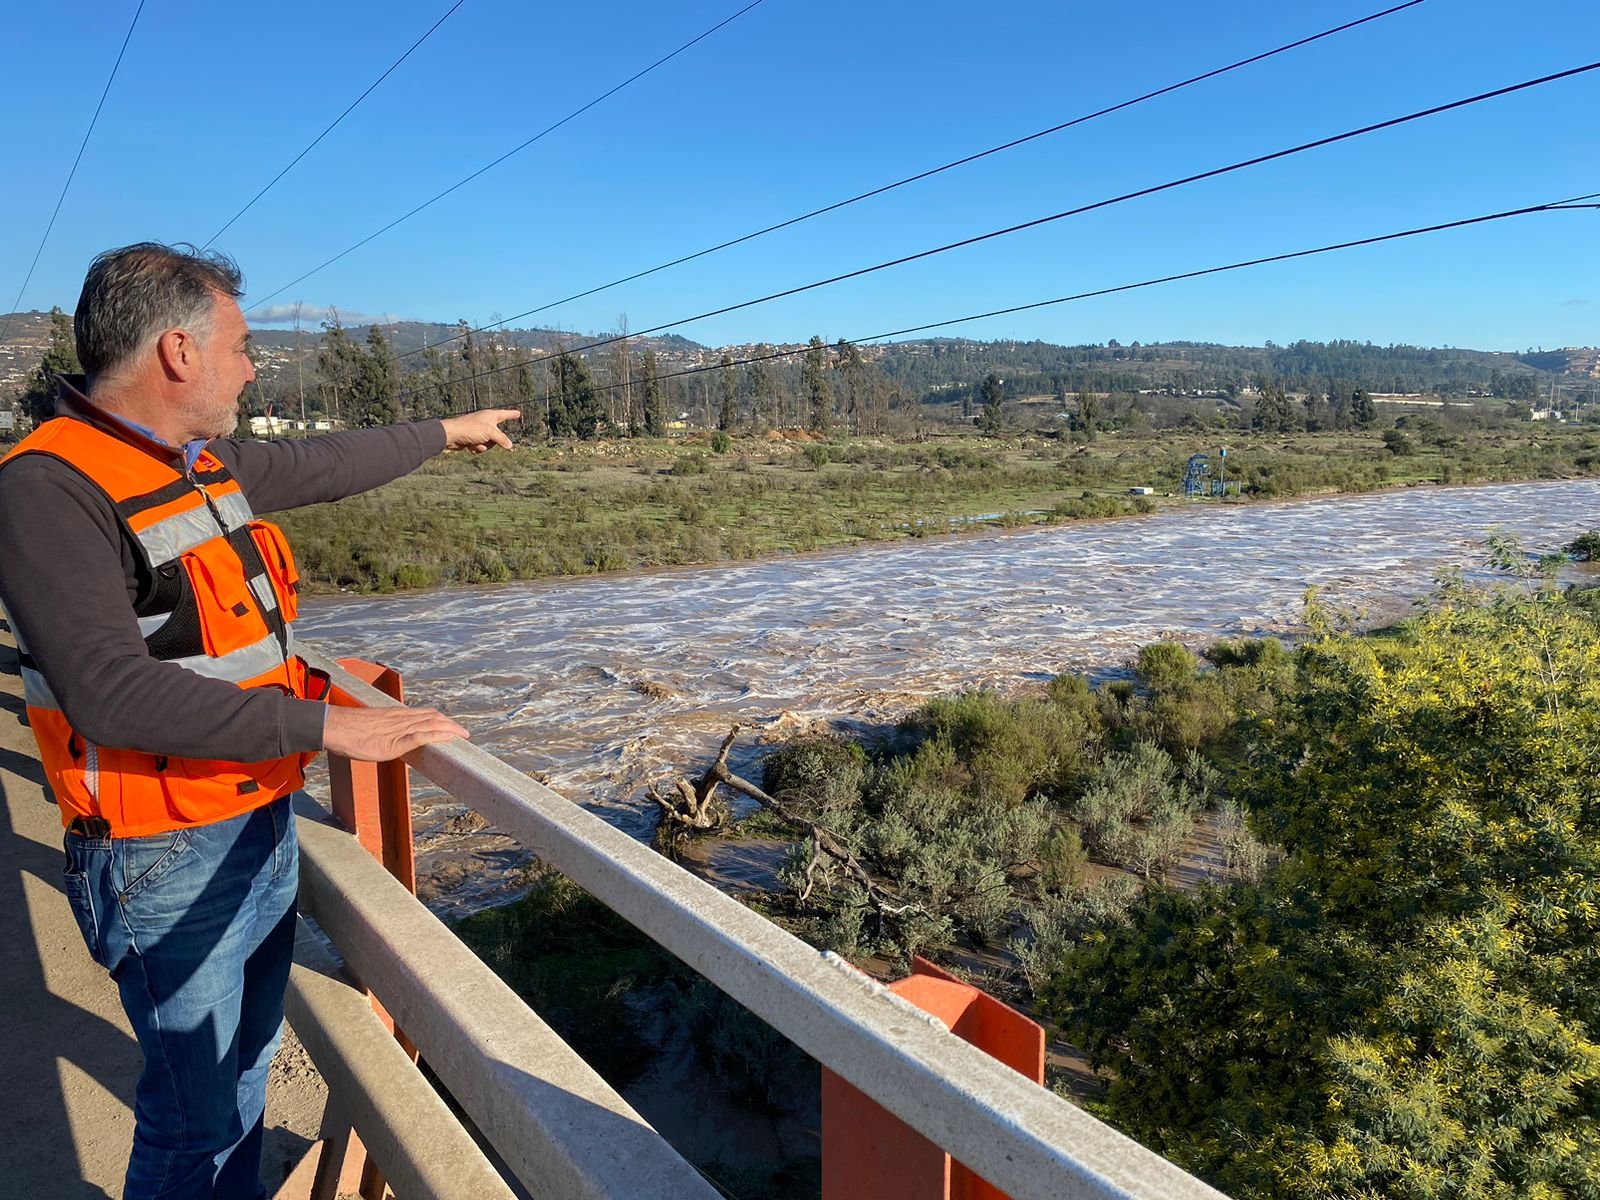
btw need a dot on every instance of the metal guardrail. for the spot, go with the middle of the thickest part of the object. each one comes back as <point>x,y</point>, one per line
<point>560,1128</point>
<point>1020,1137</point>
<point>404,1122</point>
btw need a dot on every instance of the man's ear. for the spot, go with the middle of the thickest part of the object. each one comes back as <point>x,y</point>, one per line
<point>179,352</point>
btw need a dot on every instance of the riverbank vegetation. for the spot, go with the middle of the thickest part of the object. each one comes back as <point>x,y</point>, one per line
<point>1324,918</point>
<point>577,508</point>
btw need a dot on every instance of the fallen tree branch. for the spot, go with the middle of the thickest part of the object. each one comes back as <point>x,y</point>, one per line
<point>697,797</point>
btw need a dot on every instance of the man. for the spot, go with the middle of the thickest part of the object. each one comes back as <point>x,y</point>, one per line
<point>154,614</point>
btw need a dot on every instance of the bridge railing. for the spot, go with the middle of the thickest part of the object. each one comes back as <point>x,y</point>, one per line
<point>562,1130</point>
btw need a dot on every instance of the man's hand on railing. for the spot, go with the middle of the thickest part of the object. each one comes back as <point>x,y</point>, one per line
<point>385,734</point>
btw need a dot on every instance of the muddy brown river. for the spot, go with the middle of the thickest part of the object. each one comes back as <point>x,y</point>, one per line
<point>602,684</point>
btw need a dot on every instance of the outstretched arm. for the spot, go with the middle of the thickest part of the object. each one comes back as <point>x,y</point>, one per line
<point>292,472</point>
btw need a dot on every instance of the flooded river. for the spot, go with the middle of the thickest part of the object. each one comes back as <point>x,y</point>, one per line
<point>604,684</point>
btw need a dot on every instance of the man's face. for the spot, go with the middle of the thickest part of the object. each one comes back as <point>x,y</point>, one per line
<point>225,370</point>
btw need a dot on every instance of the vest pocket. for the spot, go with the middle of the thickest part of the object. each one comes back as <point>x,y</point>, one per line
<point>281,569</point>
<point>228,610</point>
<point>201,790</point>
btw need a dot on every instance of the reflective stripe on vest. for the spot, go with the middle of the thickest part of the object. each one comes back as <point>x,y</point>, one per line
<point>36,691</point>
<point>238,666</point>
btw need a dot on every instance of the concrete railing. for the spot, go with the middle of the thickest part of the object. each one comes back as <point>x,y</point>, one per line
<point>551,1117</point>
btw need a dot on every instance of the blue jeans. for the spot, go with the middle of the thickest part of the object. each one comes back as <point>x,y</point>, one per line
<point>197,928</point>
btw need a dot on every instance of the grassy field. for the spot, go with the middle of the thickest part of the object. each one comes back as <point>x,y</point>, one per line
<point>566,510</point>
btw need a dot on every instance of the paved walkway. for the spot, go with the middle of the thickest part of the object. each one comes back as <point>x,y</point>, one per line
<point>67,1056</point>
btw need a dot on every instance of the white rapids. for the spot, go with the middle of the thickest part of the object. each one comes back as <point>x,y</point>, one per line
<point>603,684</point>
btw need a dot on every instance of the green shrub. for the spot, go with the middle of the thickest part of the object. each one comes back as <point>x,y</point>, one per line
<point>1585,547</point>
<point>721,443</point>
<point>820,777</point>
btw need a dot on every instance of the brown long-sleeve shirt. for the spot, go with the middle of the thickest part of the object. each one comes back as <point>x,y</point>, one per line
<point>70,576</point>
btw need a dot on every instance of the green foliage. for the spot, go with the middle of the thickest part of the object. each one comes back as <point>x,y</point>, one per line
<point>607,511</point>
<point>575,408</point>
<point>1397,443</point>
<point>1137,811</point>
<point>1363,412</point>
<point>820,777</point>
<point>655,412</point>
<point>817,455</point>
<point>721,443</point>
<point>1014,749</point>
<point>38,402</point>
<point>575,963</point>
<point>991,394</point>
<point>606,989</point>
<point>1406,1004</point>
<point>1585,547</point>
<point>818,391</point>
<point>946,855</point>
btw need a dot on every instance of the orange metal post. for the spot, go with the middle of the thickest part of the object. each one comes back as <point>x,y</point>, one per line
<point>373,801</point>
<point>867,1154</point>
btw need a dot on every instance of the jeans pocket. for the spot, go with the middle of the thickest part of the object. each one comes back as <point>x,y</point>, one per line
<point>144,860</point>
<point>81,897</point>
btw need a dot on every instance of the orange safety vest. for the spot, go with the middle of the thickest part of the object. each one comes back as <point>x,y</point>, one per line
<point>225,594</point>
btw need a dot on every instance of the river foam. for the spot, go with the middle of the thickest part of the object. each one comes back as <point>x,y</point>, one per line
<point>603,684</point>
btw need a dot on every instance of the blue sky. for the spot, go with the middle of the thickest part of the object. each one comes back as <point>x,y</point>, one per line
<point>795,105</point>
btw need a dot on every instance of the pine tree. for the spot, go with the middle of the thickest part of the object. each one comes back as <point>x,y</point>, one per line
<point>339,364</point>
<point>757,380</point>
<point>1363,412</point>
<point>729,412</point>
<point>655,413</point>
<point>992,394</point>
<point>375,383</point>
<point>38,403</point>
<point>819,392</point>
<point>853,371</point>
<point>575,409</point>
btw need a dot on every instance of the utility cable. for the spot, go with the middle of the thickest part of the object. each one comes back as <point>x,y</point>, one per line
<point>1072,212</point>
<point>106,91</point>
<point>508,154</point>
<point>928,174</point>
<point>1573,205</point>
<point>336,121</point>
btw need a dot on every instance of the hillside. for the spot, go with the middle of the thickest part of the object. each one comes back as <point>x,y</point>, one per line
<point>946,369</point>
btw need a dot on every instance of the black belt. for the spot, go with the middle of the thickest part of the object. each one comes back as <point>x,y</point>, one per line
<point>90,827</point>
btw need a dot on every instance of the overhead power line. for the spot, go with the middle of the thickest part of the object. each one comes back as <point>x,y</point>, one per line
<point>55,212</point>
<point>1081,209</point>
<point>928,174</point>
<point>313,144</point>
<point>1576,204</point>
<point>515,150</point>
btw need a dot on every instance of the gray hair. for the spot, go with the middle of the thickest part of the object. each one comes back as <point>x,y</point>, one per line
<point>134,294</point>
